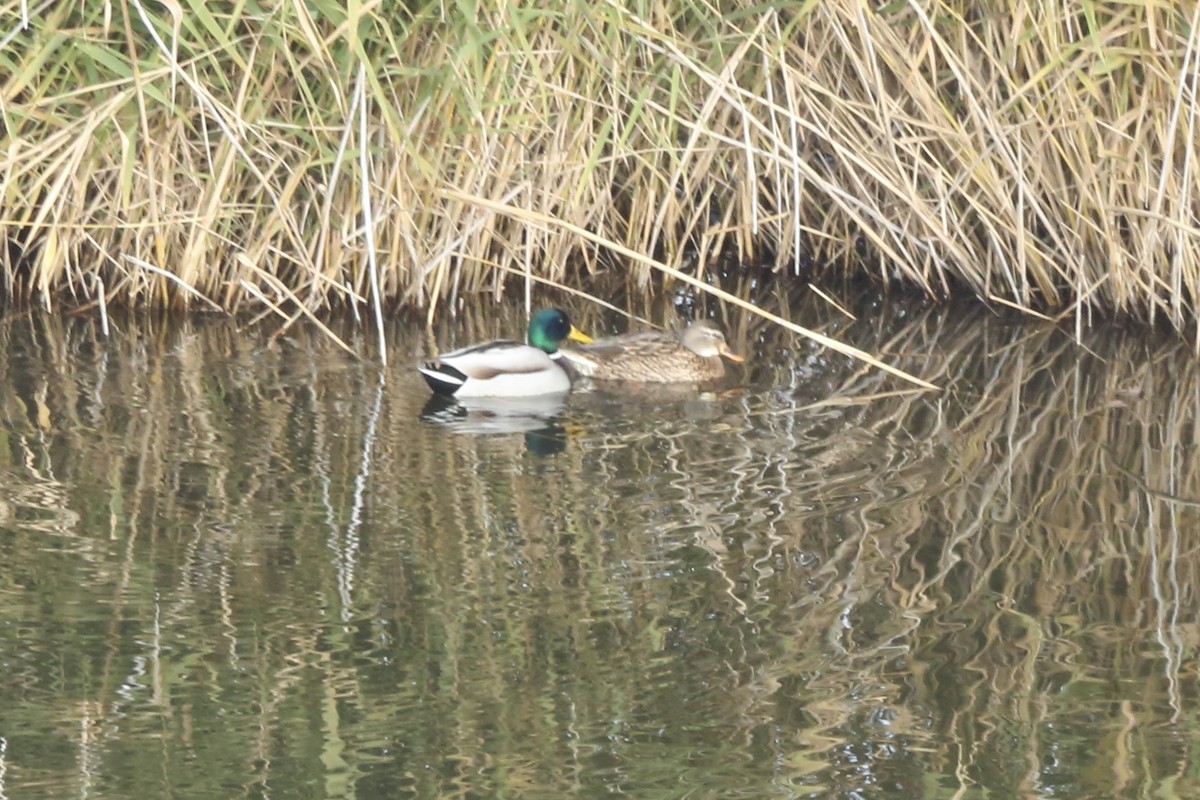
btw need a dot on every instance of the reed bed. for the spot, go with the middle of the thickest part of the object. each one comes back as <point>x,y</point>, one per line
<point>300,157</point>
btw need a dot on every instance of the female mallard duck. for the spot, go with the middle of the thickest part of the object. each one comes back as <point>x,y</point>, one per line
<point>506,368</point>
<point>692,357</point>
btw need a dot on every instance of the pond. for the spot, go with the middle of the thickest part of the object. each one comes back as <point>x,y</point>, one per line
<point>239,561</point>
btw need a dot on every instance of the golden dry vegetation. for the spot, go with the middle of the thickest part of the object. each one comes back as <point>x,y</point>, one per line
<point>295,157</point>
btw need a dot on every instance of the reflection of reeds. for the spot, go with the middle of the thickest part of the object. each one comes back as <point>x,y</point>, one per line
<point>1041,156</point>
<point>998,571</point>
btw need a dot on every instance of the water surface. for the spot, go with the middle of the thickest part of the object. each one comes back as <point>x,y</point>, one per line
<point>241,562</point>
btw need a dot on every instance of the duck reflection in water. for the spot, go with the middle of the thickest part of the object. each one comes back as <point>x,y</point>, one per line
<point>535,417</point>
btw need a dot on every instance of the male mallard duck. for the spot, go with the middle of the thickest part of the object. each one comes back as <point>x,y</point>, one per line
<point>507,368</point>
<point>692,357</point>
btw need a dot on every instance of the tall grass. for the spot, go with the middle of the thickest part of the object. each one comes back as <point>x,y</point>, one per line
<point>1036,155</point>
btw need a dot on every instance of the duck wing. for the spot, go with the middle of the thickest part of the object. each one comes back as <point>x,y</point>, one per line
<point>503,357</point>
<point>502,368</point>
<point>618,351</point>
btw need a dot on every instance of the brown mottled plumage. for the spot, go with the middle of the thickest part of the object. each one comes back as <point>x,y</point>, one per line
<point>692,357</point>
